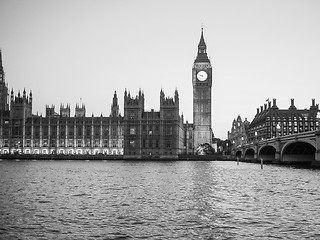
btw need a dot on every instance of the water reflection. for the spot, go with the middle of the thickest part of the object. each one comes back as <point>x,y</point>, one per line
<point>157,200</point>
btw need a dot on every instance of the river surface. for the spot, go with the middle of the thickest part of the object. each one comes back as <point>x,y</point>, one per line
<point>157,200</point>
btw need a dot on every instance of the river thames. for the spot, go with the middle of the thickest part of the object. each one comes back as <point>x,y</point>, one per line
<point>157,200</point>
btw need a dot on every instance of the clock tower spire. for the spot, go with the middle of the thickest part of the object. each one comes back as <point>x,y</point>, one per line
<point>202,83</point>
<point>202,50</point>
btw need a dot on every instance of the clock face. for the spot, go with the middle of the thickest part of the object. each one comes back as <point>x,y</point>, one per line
<point>202,75</point>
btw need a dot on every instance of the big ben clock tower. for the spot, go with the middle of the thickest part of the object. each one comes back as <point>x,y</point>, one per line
<point>202,83</point>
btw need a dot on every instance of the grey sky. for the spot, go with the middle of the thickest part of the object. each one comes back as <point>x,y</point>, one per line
<point>67,50</point>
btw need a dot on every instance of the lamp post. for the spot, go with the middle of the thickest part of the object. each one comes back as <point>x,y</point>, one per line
<point>233,147</point>
<point>226,149</point>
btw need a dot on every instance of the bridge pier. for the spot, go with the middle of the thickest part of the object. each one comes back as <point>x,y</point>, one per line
<point>316,162</point>
<point>277,156</point>
<point>255,156</point>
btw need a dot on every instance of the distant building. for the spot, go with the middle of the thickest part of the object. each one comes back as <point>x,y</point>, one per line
<point>238,133</point>
<point>270,121</point>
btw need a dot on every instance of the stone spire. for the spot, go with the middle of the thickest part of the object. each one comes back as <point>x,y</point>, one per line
<point>1,68</point>
<point>202,50</point>
<point>115,99</point>
<point>202,42</point>
<point>115,105</point>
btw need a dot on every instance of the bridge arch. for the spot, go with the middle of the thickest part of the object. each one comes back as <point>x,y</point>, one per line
<point>267,152</point>
<point>238,154</point>
<point>249,153</point>
<point>299,151</point>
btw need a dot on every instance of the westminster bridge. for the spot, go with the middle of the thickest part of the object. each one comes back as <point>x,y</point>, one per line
<point>294,148</point>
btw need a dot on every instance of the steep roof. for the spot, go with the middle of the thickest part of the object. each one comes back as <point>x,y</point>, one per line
<point>202,56</point>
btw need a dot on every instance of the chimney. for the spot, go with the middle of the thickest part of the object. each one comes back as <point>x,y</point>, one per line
<point>257,110</point>
<point>274,106</point>
<point>292,107</point>
<point>265,106</point>
<point>269,104</point>
<point>261,108</point>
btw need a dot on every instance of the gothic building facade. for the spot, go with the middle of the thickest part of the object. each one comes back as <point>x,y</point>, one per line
<point>23,132</point>
<point>152,133</point>
<point>136,134</point>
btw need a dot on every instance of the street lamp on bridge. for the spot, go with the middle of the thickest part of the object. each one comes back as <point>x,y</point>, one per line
<point>227,145</point>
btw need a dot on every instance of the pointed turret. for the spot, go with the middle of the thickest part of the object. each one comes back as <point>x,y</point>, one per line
<point>176,99</point>
<point>115,99</point>
<point>176,95</point>
<point>202,43</point>
<point>115,105</point>
<point>202,50</point>
<point>1,68</point>
<point>162,96</point>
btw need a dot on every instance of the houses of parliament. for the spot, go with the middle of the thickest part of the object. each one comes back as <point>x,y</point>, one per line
<point>136,134</point>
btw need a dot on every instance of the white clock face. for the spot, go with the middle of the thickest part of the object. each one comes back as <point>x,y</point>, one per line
<point>202,75</point>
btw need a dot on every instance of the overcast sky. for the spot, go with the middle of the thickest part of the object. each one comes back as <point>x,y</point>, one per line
<point>66,50</point>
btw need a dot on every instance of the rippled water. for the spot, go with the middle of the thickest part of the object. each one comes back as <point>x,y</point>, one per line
<point>157,200</point>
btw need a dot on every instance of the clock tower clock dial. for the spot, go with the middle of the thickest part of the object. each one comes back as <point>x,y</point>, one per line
<point>202,84</point>
<point>202,75</point>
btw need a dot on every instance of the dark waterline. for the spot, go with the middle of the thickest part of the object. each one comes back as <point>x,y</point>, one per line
<point>157,200</point>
